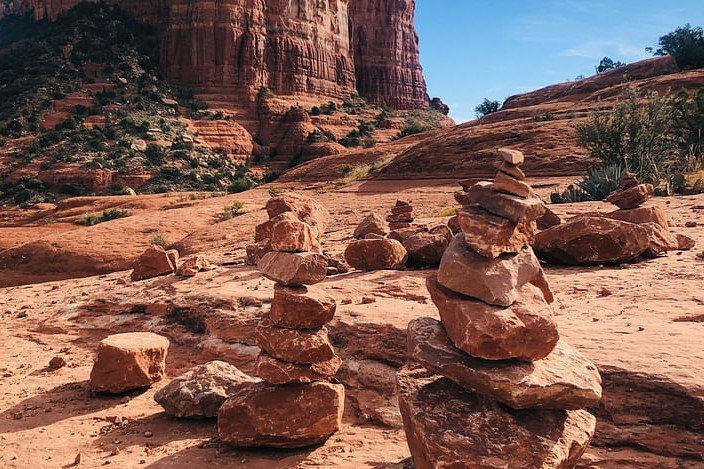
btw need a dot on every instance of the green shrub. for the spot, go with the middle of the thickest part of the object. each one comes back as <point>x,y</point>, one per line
<point>161,241</point>
<point>487,107</point>
<point>91,219</point>
<point>685,44</point>
<point>607,64</point>
<point>240,184</point>
<point>235,209</point>
<point>597,185</point>
<point>345,169</point>
<point>275,191</point>
<point>411,128</point>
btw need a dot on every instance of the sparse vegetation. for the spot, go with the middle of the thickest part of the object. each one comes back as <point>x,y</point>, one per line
<point>685,44</point>
<point>487,107</point>
<point>235,209</point>
<point>275,191</point>
<point>91,219</point>
<point>597,185</point>
<point>161,241</point>
<point>447,212</point>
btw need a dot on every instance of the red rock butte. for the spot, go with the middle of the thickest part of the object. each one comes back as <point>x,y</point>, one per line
<point>234,48</point>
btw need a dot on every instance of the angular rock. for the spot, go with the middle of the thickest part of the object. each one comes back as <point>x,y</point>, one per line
<point>294,345</point>
<point>632,197</point>
<point>401,209</point>
<point>294,269</point>
<point>173,256</point>
<point>443,230</point>
<point>301,307</point>
<point>399,225</point>
<point>516,209</point>
<point>512,170</point>
<point>490,235</point>
<point>292,416</point>
<point>304,207</point>
<point>289,234</point>
<point>494,281</point>
<point>153,262</point>
<point>201,391</point>
<point>526,330</point>
<point>506,184</point>
<point>661,240</point>
<point>129,361</point>
<point>641,215</point>
<point>685,243</point>
<point>402,203</point>
<point>372,224</point>
<point>401,218</point>
<point>548,219</point>
<point>449,427</point>
<point>592,240</point>
<point>262,231</point>
<point>240,355</point>
<point>454,225</point>
<point>541,281</point>
<point>256,251</point>
<point>191,266</point>
<point>376,254</point>
<point>276,371</point>
<point>404,233</point>
<point>426,249</point>
<point>564,380</point>
<point>512,157</point>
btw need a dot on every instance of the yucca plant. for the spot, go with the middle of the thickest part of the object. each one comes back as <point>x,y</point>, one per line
<point>602,181</point>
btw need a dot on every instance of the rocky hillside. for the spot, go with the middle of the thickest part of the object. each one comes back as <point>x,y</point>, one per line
<point>329,48</point>
<point>540,123</point>
<point>86,109</point>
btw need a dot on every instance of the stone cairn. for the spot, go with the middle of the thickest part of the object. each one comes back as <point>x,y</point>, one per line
<point>491,384</point>
<point>295,405</point>
<point>401,215</point>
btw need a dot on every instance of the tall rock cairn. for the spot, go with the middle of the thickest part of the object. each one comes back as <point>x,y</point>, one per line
<point>295,405</point>
<point>491,384</point>
<point>401,215</point>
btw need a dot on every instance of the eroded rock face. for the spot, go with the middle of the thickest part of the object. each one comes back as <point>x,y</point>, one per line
<point>292,416</point>
<point>200,392</point>
<point>564,380</point>
<point>293,269</point>
<point>376,254</point>
<point>301,307</point>
<point>129,361</point>
<point>494,281</point>
<point>525,330</point>
<point>447,426</point>
<point>592,240</point>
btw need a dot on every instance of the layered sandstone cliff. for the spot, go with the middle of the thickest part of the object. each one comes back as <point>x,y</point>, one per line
<point>323,48</point>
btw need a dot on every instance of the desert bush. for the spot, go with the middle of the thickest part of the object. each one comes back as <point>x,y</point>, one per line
<point>275,191</point>
<point>345,169</point>
<point>240,184</point>
<point>161,241</point>
<point>487,107</point>
<point>235,209</point>
<point>685,44</point>
<point>91,219</point>
<point>447,212</point>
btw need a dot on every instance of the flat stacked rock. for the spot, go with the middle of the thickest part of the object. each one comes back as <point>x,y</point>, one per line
<point>491,384</point>
<point>295,405</point>
<point>290,207</point>
<point>401,215</point>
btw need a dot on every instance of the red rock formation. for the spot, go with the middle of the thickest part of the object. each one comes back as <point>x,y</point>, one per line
<point>386,53</point>
<point>290,47</point>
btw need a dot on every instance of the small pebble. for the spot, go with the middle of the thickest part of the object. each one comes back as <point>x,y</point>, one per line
<point>148,433</point>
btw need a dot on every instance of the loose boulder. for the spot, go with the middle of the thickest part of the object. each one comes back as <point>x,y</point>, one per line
<point>426,249</point>
<point>291,416</point>
<point>129,361</point>
<point>376,254</point>
<point>447,426</point>
<point>372,224</point>
<point>154,262</point>
<point>592,240</point>
<point>200,392</point>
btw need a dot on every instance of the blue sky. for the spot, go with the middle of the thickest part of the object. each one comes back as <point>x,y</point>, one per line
<point>472,49</point>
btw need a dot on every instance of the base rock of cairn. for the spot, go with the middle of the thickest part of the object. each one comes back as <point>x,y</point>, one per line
<point>501,390</point>
<point>294,406</point>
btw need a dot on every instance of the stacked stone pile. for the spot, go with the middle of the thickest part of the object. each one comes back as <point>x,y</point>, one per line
<point>401,215</point>
<point>491,384</point>
<point>295,405</point>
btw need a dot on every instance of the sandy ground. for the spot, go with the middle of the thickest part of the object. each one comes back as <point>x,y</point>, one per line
<point>646,320</point>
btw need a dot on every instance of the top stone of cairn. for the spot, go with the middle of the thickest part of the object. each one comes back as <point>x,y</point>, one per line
<point>510,156</point>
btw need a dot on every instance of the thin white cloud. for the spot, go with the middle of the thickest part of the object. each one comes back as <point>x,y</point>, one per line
<point>599,49</point>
